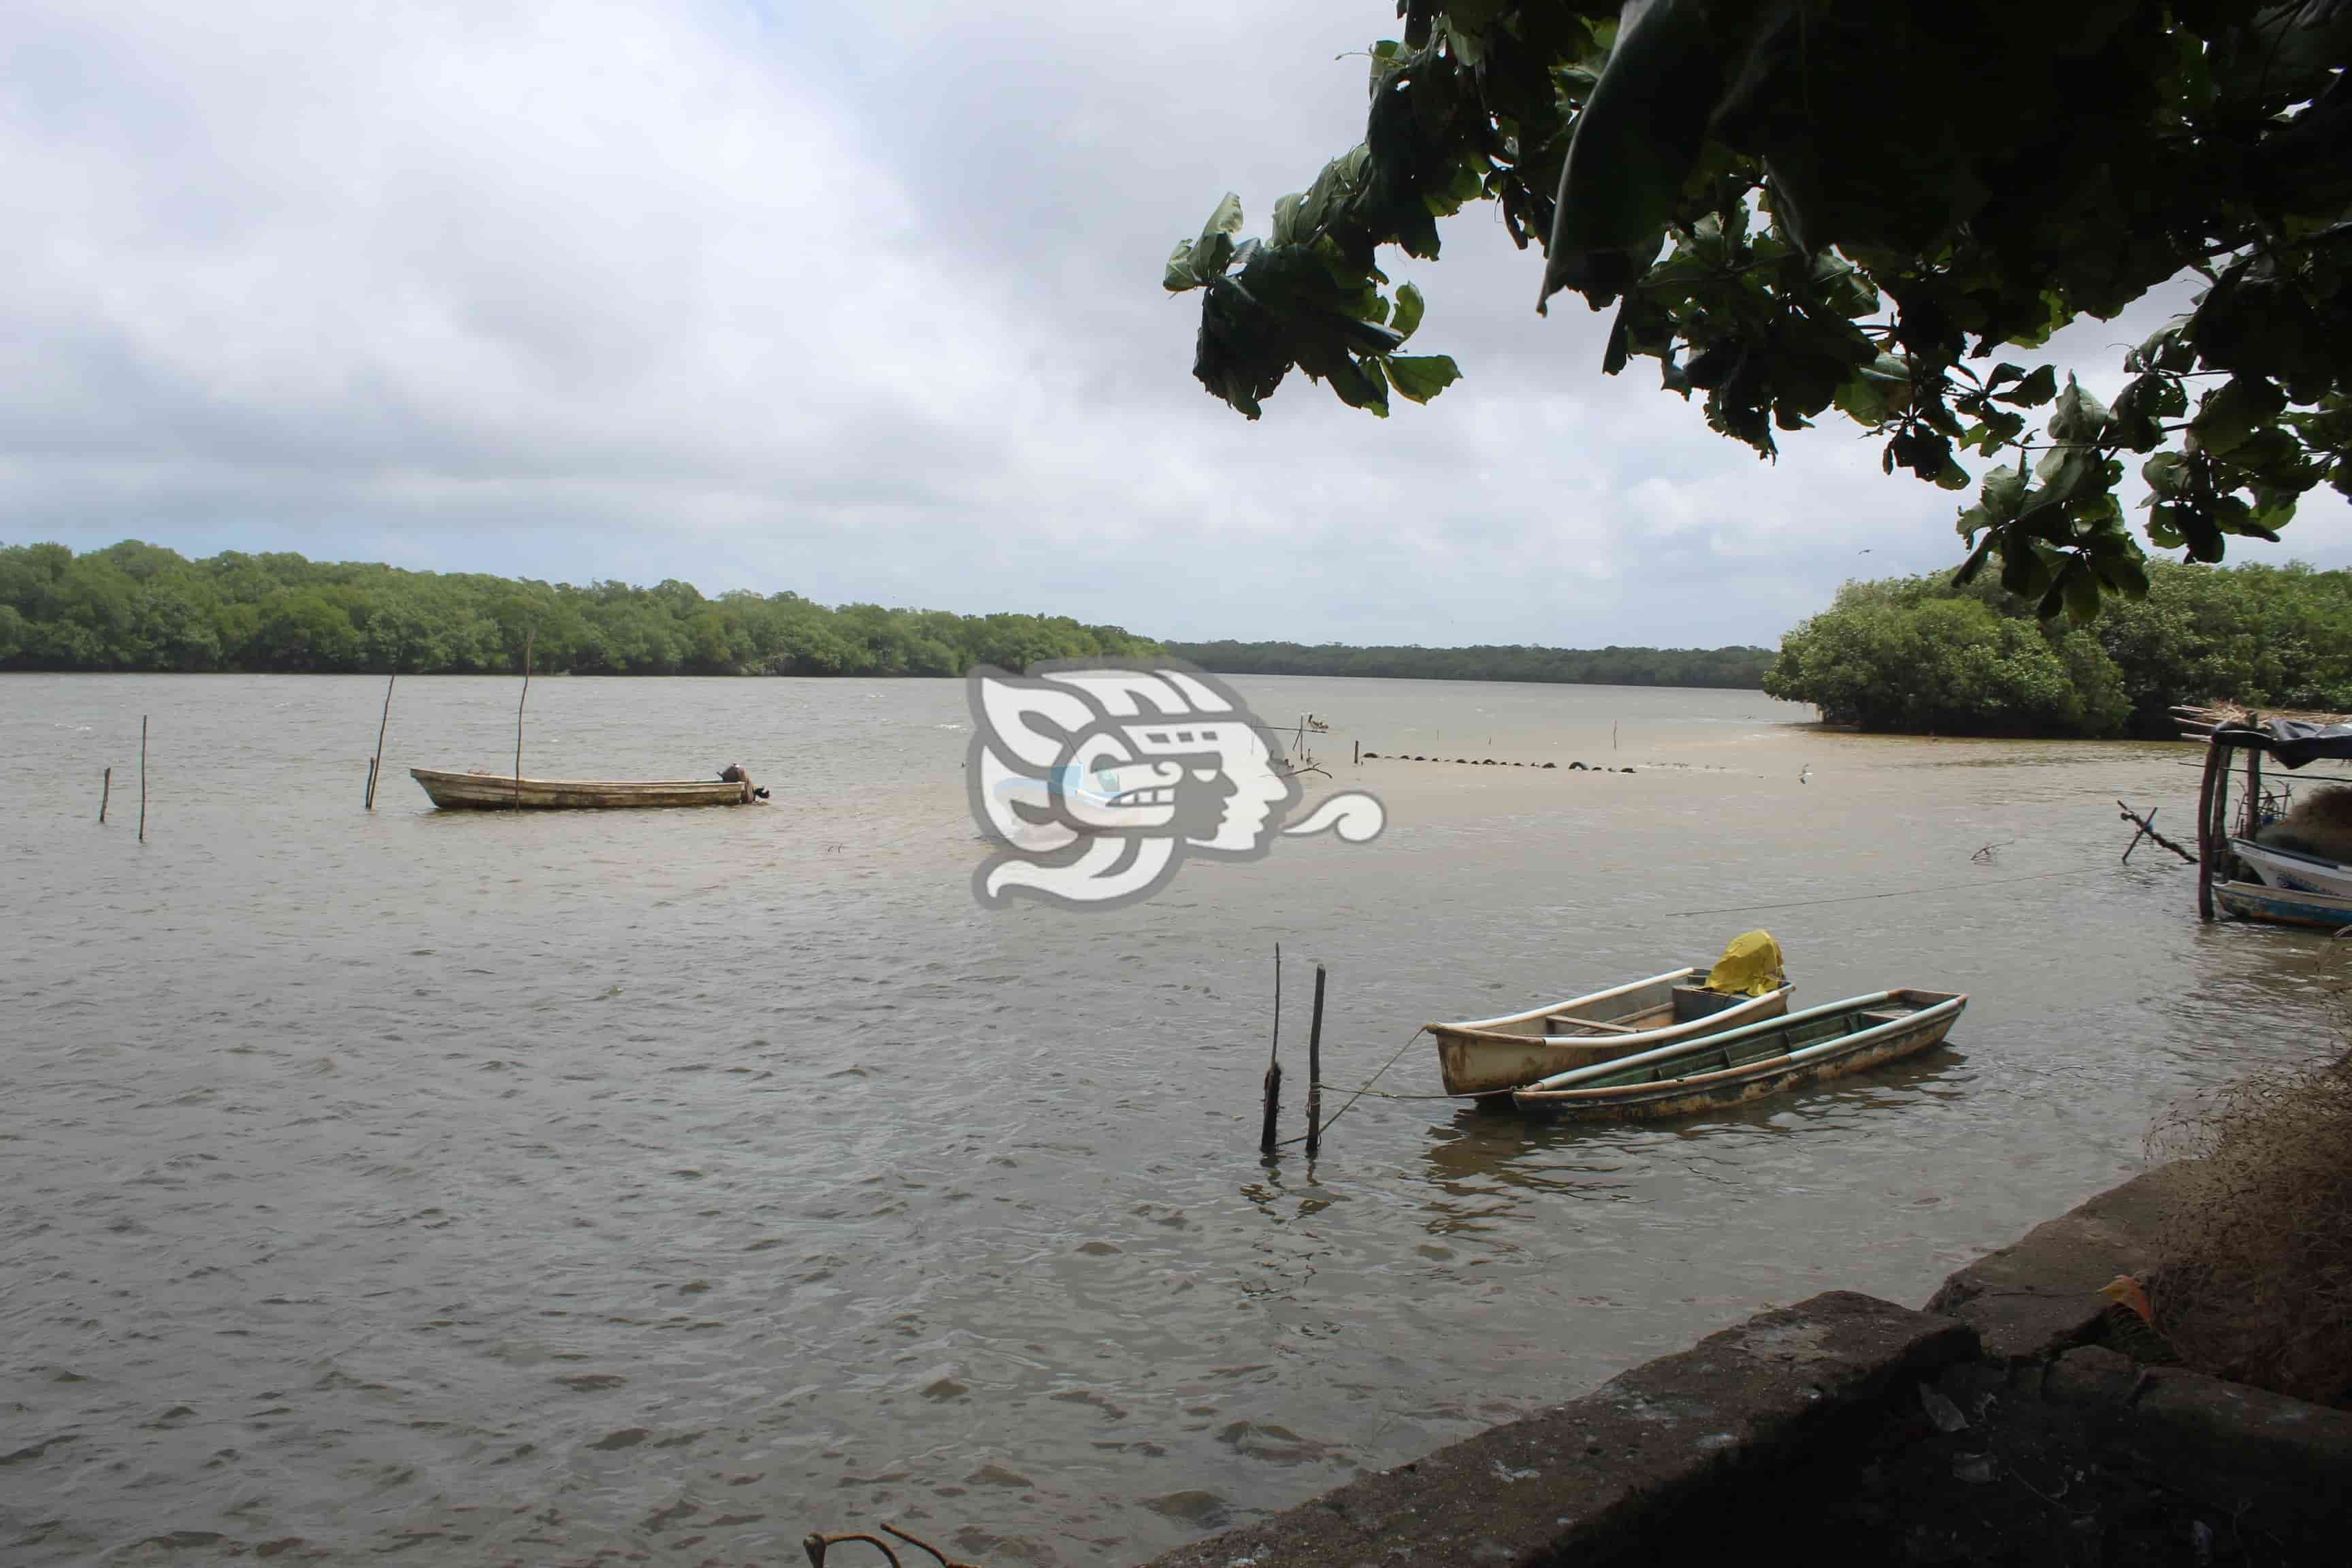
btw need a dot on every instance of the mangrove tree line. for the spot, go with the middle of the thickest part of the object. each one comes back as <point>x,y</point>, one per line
<point>140,606</point>
<point>1734,667</point>
<point>1924,655</point>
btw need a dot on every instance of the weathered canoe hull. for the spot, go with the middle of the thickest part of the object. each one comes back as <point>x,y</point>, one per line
<point>1491,1055</point>
<point>2282,906</point>
<point>491,792</point>
<point>1810,1056</point>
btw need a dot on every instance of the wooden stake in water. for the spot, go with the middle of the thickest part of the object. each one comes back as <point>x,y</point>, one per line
<point>375,764</point>
<point>143,778</point>
<point>105,788</point>
<point>1274,1065</point>
<point>518,702</point>
<point>1315,1070</point>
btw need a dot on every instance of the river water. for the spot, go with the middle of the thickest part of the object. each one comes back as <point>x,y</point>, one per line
<point>669,1185</point>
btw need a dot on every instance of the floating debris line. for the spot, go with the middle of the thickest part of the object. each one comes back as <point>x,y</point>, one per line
<point>1487,762</point>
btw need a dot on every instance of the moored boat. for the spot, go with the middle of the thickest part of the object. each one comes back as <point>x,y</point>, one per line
<point>1489,1056</point>
<point>2293,869</point>
<point>1691,1076</point>
<point>2285,906</point>
<point>504,792</point>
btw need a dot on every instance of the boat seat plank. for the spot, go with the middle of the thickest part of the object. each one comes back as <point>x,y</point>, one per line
<point>1558,1025</point>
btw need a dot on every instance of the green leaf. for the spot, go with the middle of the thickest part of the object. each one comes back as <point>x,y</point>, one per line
<point>1952,477</point>
<point>1285,218</point>
<point>2079,416</point>
<point>1225,218</point>
<point>1409,307</point>
<point>1421,378</point>
<point>1638,134</point>
<point>2231,412</point>
<point>1180,276</point>
<point>2082,591</point>
<point>2002,494</point>
<point>2032,392</point>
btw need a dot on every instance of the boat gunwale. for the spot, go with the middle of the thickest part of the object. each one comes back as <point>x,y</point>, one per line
<point>2241,844</point>
<point>1666,1052</point>
<point>524,780</point>
<point>1945,1012</point>
<point>1486,1026</point>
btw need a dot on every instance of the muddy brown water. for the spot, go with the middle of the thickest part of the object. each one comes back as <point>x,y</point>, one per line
<point>532,1188</point>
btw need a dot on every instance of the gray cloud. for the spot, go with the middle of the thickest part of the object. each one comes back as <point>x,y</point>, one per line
<point>860,301</point>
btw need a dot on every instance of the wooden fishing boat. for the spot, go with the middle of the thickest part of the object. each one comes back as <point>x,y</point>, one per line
<point>2286,906</point>
<point>504,792</point>
<point>1489,1056</point>
<point>1771,1057</point>
<point>2292,869</point>
<point>2238,872</point>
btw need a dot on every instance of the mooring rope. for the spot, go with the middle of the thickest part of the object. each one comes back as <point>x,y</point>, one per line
<point>1367,1090</point>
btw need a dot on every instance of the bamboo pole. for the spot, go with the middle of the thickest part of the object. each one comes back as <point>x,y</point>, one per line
<point>105,788</point>
<point>369,798</point>
<point>527,635</point>
<point>375,767</point>
<point>143,778</point>
<point>1315,1071</point>
<point>1273,1065</point>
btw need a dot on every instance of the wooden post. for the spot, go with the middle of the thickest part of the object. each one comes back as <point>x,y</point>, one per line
<point>2147,830</point>
<point>1315,1070</point>
<point>143,778</point>
<point>1359,749</point>
<point>2254,807</point>
<point>527,635</point>
<point>1274,1065</point>
<point>375,766</point>
<point>105,788</point>
<point>2215,782</point>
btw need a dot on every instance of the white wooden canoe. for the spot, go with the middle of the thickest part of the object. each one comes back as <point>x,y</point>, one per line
<point>2293,870</point>
<point>1488,1055</point>
<point>1771,1057</point>
<point>500,792</point>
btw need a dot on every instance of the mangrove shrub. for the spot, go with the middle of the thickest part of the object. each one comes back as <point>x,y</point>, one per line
<point>1925,655</point>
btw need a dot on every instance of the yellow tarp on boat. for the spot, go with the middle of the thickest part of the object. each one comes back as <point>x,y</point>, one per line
<point>1750,966</point>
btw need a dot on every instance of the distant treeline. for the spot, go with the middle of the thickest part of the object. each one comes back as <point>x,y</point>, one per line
<point>139,606</point>
<point>1921,656</point>
<point>1733,667</point>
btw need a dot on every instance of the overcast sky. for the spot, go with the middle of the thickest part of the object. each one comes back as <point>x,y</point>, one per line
<point>858,300</point>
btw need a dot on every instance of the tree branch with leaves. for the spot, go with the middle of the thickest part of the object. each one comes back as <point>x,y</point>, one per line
<point>1796,206</point>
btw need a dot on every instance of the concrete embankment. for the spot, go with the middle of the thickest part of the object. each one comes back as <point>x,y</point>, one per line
<point>1994,1425</point>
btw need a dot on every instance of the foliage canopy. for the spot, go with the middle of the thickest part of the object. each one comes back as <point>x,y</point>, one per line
<point>1927,655</point>
<point>139,606</point>
<point>1866,205</point>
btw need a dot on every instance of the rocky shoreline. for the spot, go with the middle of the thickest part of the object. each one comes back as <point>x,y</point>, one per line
<point>1993,1424</point>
